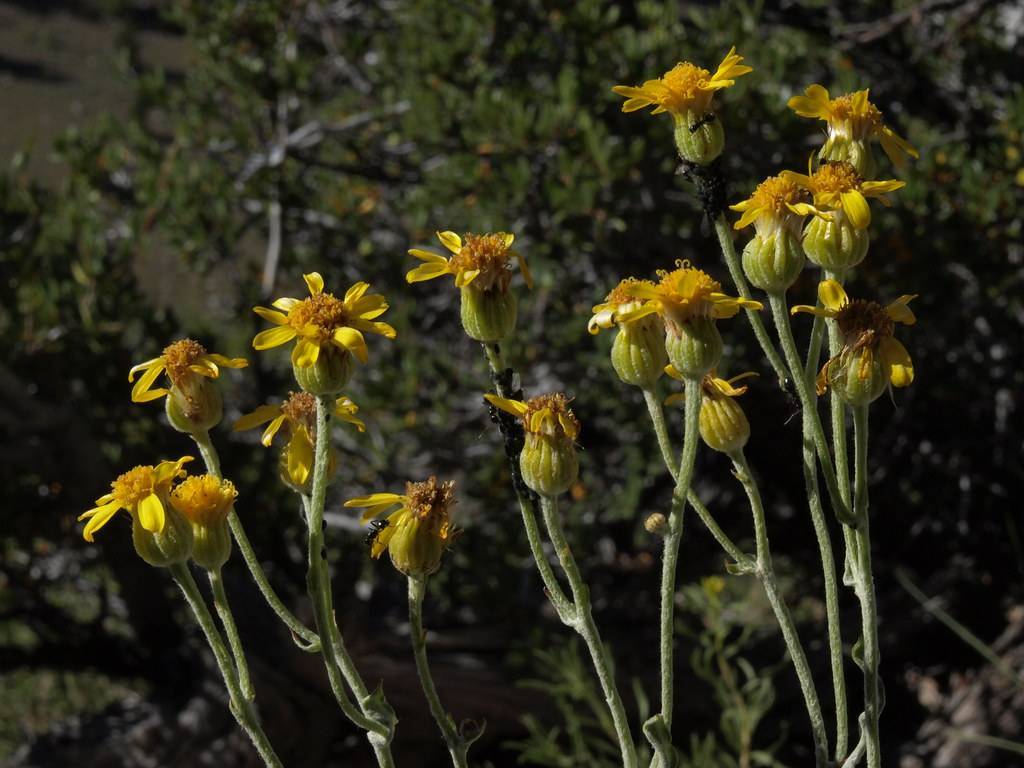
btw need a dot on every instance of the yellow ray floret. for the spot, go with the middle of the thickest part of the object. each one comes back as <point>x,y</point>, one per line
<point>323,320</point>
<point>181,360</point>
<point>711,385</point>
<point>838,187</point>
<point>139,491</point>
<point>867,329</point>
<point>619,302</point>
<point>852,116</point>
<point>545,414</point>
<point>684,88</point>
<point>776,201</point>
<point>481,260</point>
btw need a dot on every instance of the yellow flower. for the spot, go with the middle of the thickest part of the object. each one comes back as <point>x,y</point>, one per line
<point>204,500</point>
<point>542,415</point>
<point>869,349</point>
<point>418,532</point>
<point>850,118</point>
<point>777,203</point>
<point>476,259</point>
<point>838,187</point>
<point>619,302</point>
<point>141,492</point>
<point>683,294</point>
<point>297,415</point>
<point>638,352</point>
<point>324,321</point>
<point>684,90</point>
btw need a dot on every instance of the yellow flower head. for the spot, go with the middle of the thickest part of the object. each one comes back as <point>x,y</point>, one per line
<point>184,360</point>
<point>723,424</point>
<point>621,301</point>
<point>683,294</point>
<point>204,500</point>
<point>712,387</point>
<point>323,320</point>
<point>141,492</point>
<point>418,532</point>
<point>686,88</point>
<point>778,202</point>
<point>297,415</point>
<point>838,187</point>
<point>867,330</point>
<point>851,118</point>
<point>542,415</point>
<point>480,260</point>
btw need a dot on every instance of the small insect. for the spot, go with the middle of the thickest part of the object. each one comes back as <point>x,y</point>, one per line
<point>376,526</point>
<point>709,117</point>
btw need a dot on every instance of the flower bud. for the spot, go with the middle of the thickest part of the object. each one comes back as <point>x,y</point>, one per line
<point>856,152</point>
<point>171,545</point>
<point>656,523</point>
<point>549,464</point>
<point>488,315</point>
<point>723,425</point>
<point>699,137</point>
<point>329,374</point>
<point>773,262</point>
<point>196,407</point>
<point>638,352</point>
<point>206,501</point>
<point>694,347</point>
<point>835,245</point>
<point>857,378</point>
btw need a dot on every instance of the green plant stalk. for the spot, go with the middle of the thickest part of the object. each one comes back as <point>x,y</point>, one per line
<point>854,758</point>
<point>732,261</point>
<point>587,629</point>
<point>657,413</point>
<point>310,640</point>
<point>563,606</point>
<point>241,708</point>
<point>766,574</point>
<point>318,586</point>
<point>808,403</point>
<point>457,746</point>
<point>837,407</point>
<point>828,562</point>
<point>866,589</point>
<point>227,619</point>
<point>670,553</point>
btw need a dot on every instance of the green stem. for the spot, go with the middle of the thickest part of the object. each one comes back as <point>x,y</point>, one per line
<point>240,707</point>
<point>311,642</point>
<point>562,604</point>
<point>809,405</point>
<point>587,629</point>
<point>657,412</point>
<point>828,563</point>
<point>866,588</point>
<point>318,586</point>
<point>766,574</point>
<point>457,746</point>
<point>227,619</point>
<point>732,261</point>
<point>837,407</point>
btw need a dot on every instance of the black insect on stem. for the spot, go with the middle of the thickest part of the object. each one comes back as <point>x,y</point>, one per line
<point>710,183</point>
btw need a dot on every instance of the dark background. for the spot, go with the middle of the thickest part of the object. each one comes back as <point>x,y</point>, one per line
<point>146,147</point>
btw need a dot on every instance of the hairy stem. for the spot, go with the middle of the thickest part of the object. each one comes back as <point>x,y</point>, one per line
<point>457,746</point>
<point>227,619</point>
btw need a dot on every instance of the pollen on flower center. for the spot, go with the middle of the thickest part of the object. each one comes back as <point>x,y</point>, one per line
<point>488,253</point>
<point>859,317</point>
<point>555,406</point>
<point>204,499</point>
<point>832,178</point>
<point>133,486</point>
<point>300,408</point>
<point>856,113</point>
<point>179,356</point>
<point>429,500</point>
<point>687,284</point>
<point>776,192</point>
<point>625,291</point>
<point>324,311</point>
<point>684,82</point>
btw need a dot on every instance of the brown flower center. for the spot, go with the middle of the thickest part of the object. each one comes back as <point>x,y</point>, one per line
<point>624,292</point>
<point>864,323</point>
<point>488,253</point>
<point>179,356</point>
<point>324,311</point>
<point>775,192</point>
<point>558,404</point>
<point>430,501</point>
<point>835,178</point>
<point>300,409</point>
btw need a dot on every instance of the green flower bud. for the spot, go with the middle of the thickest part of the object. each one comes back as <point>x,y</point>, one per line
<point>549,464</point>
<point>857,378</point>
<point>171,545</point>
<point>835,245</point>
<point>723,425</point>
<point>856,152</point>
<point>638,352</point>
<point>198,407</point>
<point>329,374</point>
<point>694,347</point>
<point>488,315</point>
<point>699,137</point>
<point>774,262</point>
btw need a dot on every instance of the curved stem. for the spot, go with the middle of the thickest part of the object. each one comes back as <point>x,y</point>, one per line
<point>809,405</point>
<point>766,574</point>
<point>866,589</point>
<point>828,563</point>
<point>240,707</point>
<point>732,261</point>
<point>587,629</point>
<point>311,642</point>
<point>457,746</point>
<point>837,407</point>
<point>227,619</point>
<point>318,586</point>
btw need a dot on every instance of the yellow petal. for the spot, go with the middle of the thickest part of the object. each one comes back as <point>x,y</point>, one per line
<point>261,415</point>
<point>876,188</point>
<point>227,362</point>
<point>900,312</point>
<point>807,308</point>
<point>98,517</point>
<point>427,272</point>
<point>385,330</point>
<point>141,388</point>
<point>507,238</point>
<point>515,407</point>
<point>750,215</point>
<point>375,500</point>
<point>463,279</point>
<point>856,208</point>
<point>314,282</point>
<point>814,102</point>
<point>832,295</point>
<point>143,366</point>
<point>272,428</point>
<point>673,373</point>
<point>275,317</point>
<point>896,361</point>
<point>355,293</point>
<point>300,456</point>
<point>428,256</point>
<point>305,353</point>
<point>524,268</point>
<point>353,341</point>
<point>274,337</point>
<point>205,367</point>
<point>151,513</point>
<point>450,240</point>
<point>285,304</point>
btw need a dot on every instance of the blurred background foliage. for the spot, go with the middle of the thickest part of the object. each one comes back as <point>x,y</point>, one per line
<point>241,143</point>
